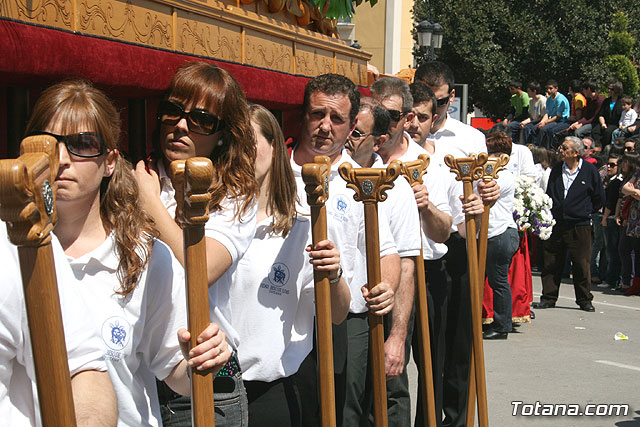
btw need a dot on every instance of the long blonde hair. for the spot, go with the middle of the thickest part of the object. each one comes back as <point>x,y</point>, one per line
<point>234,159</point>
<point>282,196</point>
<point>78,104</point>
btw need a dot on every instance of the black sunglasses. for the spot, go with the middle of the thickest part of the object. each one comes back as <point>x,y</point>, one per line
<point>81,144</point>
<point>443,101</point>
<point>356,134</point>
<point>198,121</point>
<point>396,115</point>
<point>628,148</point>
<point>612,165</point>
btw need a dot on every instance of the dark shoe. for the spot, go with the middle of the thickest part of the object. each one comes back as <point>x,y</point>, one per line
<point>596,280</point>
<point>493,335</point>
<point>587,306</point>
<point>533,314</point>
<point>544,304</point>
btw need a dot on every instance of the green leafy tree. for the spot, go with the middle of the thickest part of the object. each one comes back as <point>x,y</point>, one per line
<point>487,43</point>
<point>621,45</point>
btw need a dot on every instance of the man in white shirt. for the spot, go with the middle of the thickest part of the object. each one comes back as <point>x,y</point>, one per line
<point>451,136</point>
<point>94,398</point>
<point>331,103</point>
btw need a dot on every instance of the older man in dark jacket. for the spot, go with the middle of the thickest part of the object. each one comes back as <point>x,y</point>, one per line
<point>576,190</point>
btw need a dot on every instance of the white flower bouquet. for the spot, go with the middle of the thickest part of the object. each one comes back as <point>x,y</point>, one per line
<point>532,208</point>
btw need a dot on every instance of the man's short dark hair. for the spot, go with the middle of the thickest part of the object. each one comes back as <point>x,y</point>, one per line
<point>381,117</point>
<point>590,85</point>
<point>552,82</point>
<point>333,84</point>
<point>516,84</point>
<point>534,87</point>
<point>388,86</point>
<point>422,94</point>
<point>575,85</point>
<point>435,73</point>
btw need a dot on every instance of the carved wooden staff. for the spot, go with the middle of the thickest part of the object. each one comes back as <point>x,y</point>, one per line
<point>413,172</point>
<point>28,206</point>
<point>316,178</point>
<point>469,169</point>
<point>191,180</point>
<point>370,186</point>
<point>490,172</point>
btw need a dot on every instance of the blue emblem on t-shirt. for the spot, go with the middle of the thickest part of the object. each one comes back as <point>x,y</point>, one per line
<point>279,274</point>
<point>116,334</point>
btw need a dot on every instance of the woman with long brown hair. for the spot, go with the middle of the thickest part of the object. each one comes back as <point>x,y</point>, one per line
<point>272,297</point>
<point>205,114</point>
<point>133,283</point>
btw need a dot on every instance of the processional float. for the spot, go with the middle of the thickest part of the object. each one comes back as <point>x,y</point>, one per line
<point>191,179</point>
<point>370,185</point>
<point>316,178</point>
<point>27,205</point>
<point>413,172</point>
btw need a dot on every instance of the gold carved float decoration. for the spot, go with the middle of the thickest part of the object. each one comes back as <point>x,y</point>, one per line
<point>291,36</point>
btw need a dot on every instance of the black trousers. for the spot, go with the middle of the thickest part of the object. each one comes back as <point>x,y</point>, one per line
<point>275,403</point>
<point>437,300</point>
<point>576,240</point>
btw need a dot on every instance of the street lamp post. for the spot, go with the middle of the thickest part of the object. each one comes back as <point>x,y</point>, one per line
<point>430,37</point>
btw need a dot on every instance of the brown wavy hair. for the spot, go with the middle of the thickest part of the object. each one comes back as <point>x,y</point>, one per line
<point>283,194</point>
<point>77,104</point>
<point>234,160</point>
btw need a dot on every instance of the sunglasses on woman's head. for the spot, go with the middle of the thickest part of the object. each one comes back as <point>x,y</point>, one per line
<point>81,144</point>
<point>198,121</point>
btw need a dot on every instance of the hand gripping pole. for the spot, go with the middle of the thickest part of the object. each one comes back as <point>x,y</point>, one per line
<point>370,186</point>
<point>413,172</point>
<point>467,170</point>
<point>191,180</point>
<point>27,204</point>
<point>316,178</point>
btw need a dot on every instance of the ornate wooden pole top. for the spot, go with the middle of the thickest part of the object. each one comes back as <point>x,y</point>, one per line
<point>493,166</point>
<point>414,170</point>
<point>467,169</point>
<point>27,194</point>
<point>316,178</point>
<point>370,184</point>
<point>191,179</point>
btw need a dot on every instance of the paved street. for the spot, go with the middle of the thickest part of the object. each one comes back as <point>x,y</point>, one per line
<point>567,356</point>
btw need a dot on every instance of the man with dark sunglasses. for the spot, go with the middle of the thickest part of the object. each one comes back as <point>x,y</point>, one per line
<point>453,137</point>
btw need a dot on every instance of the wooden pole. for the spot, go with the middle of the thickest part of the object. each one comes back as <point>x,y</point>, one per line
<point>191,180</point>
<point>413,172</point>
<point>370,186</point>
<point>490,172</point>
<point>28,206</point>
<point>316,178</point>
<point>467,170</point>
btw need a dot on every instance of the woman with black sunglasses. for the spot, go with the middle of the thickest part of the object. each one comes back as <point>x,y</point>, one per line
<point>131,281</point>
<point>206,114</point>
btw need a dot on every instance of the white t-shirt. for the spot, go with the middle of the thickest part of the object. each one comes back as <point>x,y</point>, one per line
<point>139,329</point>
<point>459,140</point>
<point>402,212</point>
<point>501,213</point>
<point>272,300</point>
<point>627,118</point>
<point>346,229</point>
<point>234,234</point>
<point>442,187</point>
<point>18,395</point>
<point>521,162</point>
